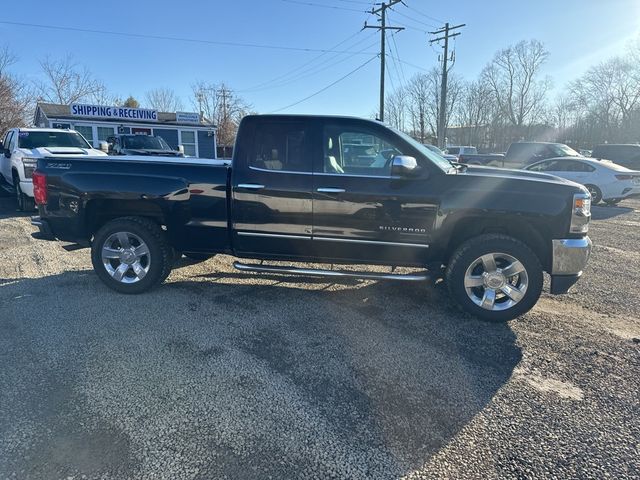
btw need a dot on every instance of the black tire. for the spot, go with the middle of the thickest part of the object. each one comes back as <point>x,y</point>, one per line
<point>159,260</point>
<point>470,252</point>
<point>24,203</point>
<point>596,194</point>
<point>198,257</point>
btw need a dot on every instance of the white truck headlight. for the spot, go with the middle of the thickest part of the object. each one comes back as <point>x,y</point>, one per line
<point>29,165</point>
<point>580,213</point>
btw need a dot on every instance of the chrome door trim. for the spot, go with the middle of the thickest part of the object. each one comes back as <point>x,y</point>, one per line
<point>330,190</point>
<point>293,172</point>
<point>274,235</point>
<point>250,186</point>
<point>371,242</point>
<point>349,175</point>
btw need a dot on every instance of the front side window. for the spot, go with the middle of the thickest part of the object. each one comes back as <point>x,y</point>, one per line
<point>453,150</point>
<point>7,141</point>
<point>51,139</point>
<point>355,151</point>
<point>280,147</point>
<point>562,150</point>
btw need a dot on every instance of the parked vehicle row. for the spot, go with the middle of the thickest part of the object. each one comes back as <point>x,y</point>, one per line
<point>299,191</point>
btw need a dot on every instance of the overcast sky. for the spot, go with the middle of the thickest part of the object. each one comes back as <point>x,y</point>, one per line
<point>577,34</point>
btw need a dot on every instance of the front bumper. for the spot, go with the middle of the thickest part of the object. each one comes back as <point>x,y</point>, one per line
<point>27,188</point>
<point>570,257</point>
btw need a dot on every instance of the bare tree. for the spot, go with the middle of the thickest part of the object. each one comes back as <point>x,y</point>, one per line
<point>219,104</point>
<point>396,109</point>
<point>513,76</point>
<point>163,100</point>
<point>66,82</point>
<point>474,111</point>
<point>16,97</point>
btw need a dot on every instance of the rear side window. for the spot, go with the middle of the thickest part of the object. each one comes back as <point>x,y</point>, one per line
<point>453,150</point>
<point>280,147</point>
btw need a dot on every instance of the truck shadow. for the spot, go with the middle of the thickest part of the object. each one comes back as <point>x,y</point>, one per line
<point>605,213</point>
<point>355,379</point>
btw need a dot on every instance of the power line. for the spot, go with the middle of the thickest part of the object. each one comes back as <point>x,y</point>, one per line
<point>314,70</point>
<point>300,67</point>
<point>420,22</point>
<point>415,10</point>
<point>327,87</point>
<point>442,120</point>
<point>334,7</point>
<point>382,12</point>
<point>176,39</point>
<point>395,46</point>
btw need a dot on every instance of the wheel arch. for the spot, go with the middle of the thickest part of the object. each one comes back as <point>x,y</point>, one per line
<point>532,236</point>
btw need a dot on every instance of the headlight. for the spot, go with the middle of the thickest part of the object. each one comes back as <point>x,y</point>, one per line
<point>580,213</point>
<point>30,165</point>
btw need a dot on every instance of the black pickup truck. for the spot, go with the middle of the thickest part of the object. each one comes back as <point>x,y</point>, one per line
<point>298,191</point>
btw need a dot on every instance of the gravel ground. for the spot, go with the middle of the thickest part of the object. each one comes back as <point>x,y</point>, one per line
<point>219,374</point>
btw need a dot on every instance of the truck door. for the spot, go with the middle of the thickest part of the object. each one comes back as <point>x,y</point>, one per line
<point>271,187</point>
<point>360,212</point>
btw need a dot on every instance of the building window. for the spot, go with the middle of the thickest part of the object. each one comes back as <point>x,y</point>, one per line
<point>104,133</point>
<point>86,131</point>
<point>188,141</point>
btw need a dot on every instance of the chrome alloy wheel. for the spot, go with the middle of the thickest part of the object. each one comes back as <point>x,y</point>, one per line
<point>496,281</point>
<point>126,257</point>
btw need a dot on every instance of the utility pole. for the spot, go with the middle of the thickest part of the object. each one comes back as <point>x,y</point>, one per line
<point>382,12</point>
<point>442,117</point>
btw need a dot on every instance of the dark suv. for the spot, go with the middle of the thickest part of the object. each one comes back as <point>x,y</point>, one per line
<point>625,155</point>
<point>521,154</point>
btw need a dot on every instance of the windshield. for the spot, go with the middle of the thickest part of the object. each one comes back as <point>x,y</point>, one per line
<point>439,160</point>
<point>145,142</point>
<point>562,150</point>
<point>51,139</point>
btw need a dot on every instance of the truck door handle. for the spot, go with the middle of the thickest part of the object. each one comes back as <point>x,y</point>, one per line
<point>251,186</point>
<point>331,190</point>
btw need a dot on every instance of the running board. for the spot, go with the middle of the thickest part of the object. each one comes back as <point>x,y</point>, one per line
<point>312,272</point>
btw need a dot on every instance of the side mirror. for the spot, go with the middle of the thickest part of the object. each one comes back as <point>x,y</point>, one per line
<point>104,146</point>
<point>404,166</point>
<point>7,153</point>
<point>181,149</point>
<point>1,145</point>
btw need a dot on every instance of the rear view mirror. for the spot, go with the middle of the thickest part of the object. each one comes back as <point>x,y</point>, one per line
<point>404,166</point>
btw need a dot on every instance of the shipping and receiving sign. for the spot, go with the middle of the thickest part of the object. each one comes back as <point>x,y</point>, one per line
<point>118,113</point>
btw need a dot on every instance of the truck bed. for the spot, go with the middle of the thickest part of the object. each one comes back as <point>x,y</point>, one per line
<point>188,195</point>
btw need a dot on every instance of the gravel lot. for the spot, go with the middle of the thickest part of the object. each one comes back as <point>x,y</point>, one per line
<point>219,374</point>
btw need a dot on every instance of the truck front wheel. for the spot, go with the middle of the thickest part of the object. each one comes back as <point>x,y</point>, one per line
<point>494,277</point>
<point>131,255</point>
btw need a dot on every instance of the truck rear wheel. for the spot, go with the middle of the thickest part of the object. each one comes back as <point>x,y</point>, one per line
<point>24,203</point>
<point>494,277</point>
<point>131,255</point>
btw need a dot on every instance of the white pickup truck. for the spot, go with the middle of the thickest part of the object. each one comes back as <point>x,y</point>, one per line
<point>21,149</point>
